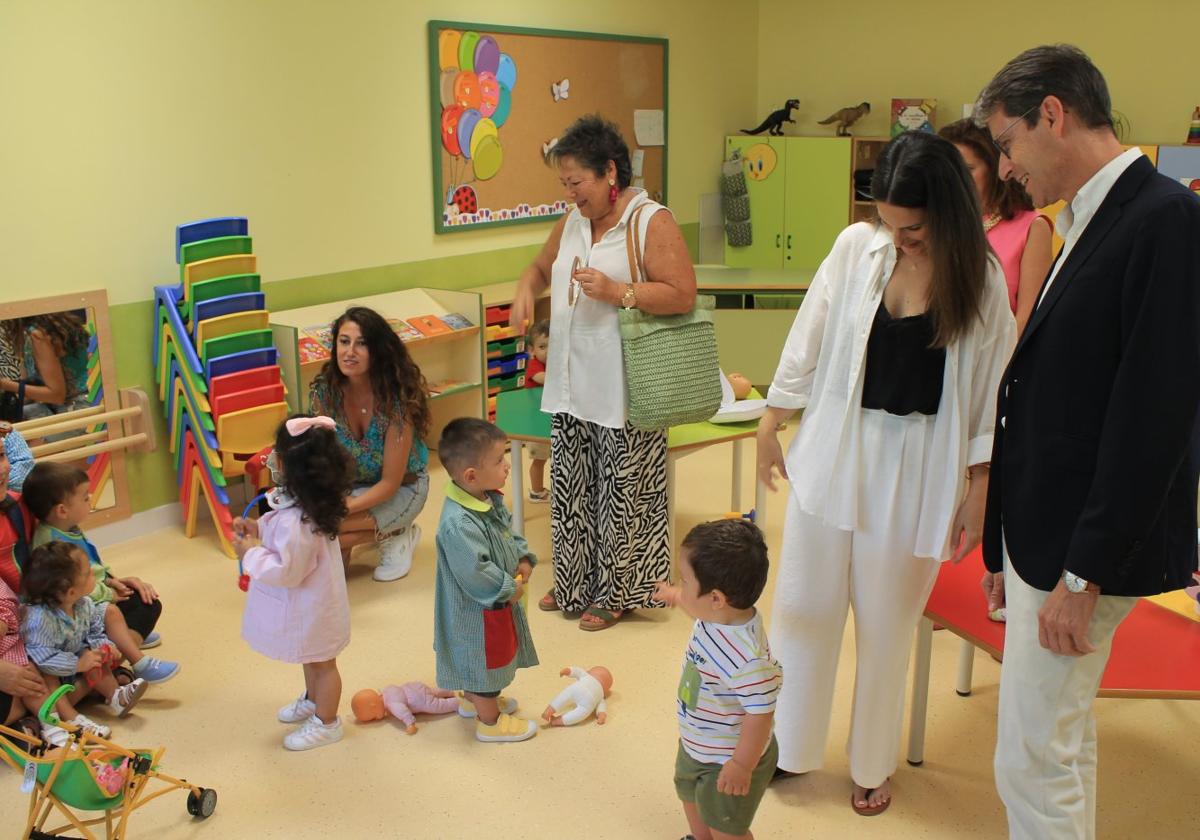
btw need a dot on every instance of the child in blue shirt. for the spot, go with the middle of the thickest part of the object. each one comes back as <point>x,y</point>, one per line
<point>480,633</point>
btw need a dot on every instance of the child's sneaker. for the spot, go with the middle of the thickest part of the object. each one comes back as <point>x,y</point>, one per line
<point>313,733</point>
<point>88,725</point>
<point>125,697</point>
<point>55,736</point>
<point>298,711</point>
<point>540,497</point>
<point>151,641</point>
<point>396,554</point>
<point>506,728</point>
<point>466,708</point>
<point>155,671</point>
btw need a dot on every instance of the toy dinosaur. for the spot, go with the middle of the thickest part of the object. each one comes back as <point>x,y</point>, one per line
<point>847,117</point>
<point>774,123</point>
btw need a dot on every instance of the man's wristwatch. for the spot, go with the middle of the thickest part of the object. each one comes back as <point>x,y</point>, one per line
<point>629,299</point>
<point>1074,582</point>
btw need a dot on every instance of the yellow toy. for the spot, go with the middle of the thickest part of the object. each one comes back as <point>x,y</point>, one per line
<point>74,777</point>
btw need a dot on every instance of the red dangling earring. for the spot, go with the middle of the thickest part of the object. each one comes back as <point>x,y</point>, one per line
<point>612,191</point>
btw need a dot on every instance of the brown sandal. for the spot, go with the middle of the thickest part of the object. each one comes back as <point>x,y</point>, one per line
<point>607,619</point>
<point>868,810</point>
<point>548,603</point>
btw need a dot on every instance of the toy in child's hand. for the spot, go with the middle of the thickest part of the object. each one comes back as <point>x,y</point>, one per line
<point>402,702</point>
<point>586,695</point>
<point>998,614</point>
<point>245,528</point>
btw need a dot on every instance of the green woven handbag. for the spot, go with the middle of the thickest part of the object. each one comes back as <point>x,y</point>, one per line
<point>671,369</point>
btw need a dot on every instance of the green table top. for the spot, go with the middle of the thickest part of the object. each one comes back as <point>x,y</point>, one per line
<point>720,278</point>
<point>519,414</point>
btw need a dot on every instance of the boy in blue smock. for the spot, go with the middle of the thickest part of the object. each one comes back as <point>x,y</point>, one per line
<point>480,631</point>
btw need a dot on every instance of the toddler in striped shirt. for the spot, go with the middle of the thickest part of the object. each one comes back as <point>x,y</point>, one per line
<point>730,681</point>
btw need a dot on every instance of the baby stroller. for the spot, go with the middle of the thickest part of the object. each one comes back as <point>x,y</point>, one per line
<point>90,773</point>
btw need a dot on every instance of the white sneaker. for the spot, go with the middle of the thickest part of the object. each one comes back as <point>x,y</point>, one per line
<point>125,697</point>
<point>298,711</point>
<point>313,733</point>
<point>396,554</point>
<point>87,724</point>
<point>55,736</point>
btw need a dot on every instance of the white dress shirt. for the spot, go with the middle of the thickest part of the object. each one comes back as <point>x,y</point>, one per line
<point>585,371</point>
<point>1073,219</point>
<point>822,370</point>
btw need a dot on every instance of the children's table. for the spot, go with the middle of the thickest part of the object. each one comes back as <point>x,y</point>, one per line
<point>1153,655</point>
<point>519,414</point>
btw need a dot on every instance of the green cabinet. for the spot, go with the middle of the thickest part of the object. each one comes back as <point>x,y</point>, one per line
<point>799,200</point>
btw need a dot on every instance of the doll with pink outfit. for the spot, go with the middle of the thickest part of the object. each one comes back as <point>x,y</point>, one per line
<point>403,702</point>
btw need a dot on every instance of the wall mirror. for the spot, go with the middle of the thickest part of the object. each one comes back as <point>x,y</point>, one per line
<point>61,348</point>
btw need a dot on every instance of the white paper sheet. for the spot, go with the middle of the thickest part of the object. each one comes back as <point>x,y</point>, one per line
<point>648,127</point>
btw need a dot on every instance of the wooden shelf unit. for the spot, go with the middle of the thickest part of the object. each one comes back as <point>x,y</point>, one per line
<point>864,154</point>
<point>456,355</point>
<point>499,296</point>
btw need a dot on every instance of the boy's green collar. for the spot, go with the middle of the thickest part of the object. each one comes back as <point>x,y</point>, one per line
<point>457,494</point>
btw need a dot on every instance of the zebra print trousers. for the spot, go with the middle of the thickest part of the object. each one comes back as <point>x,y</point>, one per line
<point>608,514</point>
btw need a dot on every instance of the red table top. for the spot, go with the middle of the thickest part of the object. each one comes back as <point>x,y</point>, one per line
<point>1155,653</point>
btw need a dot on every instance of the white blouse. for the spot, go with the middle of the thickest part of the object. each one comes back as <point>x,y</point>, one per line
<point>822,371</point>
<point>585,372</point>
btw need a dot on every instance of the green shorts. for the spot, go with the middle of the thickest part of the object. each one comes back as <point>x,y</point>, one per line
<point>696,781</point>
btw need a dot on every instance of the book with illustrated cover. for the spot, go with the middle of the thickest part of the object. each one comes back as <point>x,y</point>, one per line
<point>403,329</point>
<point>310,350</point>
<point>321,333</point>
<point>445,385</point>
<point>912,115</point>
<point>456,321</point>
<point>429,325</point>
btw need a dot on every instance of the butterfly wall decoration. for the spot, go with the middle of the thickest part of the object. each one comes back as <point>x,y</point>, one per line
<point>561,90</point>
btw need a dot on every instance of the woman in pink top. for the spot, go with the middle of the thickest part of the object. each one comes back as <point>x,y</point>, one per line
<point>1021,244</point>
<point>296,609</point>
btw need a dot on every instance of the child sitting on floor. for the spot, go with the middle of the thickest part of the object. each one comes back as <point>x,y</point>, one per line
<point>63,629</point>
<point>535,377</point>
<point>730,681</point>
<point>480,631</point>
<point>297,610</point>
<point>58,495</point>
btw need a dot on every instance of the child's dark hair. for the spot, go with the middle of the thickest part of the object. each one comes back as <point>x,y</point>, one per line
<point>317,473</point>
<point>729,555</point>
<point>539,329</point>
<point>52,569</point>
<point>464,443</point>
<point>50,484</point>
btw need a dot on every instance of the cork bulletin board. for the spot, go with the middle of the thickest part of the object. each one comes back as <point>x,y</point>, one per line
<point>499,98</point>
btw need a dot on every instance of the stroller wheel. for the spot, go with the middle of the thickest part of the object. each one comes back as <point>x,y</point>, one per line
<point>203,804</point>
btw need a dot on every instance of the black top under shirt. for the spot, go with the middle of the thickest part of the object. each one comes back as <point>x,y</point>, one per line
<point>904,375</point>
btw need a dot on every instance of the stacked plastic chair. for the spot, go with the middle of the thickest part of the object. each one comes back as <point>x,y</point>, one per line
<point>217,370</point>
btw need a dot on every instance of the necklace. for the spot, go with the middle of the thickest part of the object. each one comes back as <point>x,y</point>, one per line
<point>990,221</point>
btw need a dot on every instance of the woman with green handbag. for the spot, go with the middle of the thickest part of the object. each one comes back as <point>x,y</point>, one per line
<point>608,509</point>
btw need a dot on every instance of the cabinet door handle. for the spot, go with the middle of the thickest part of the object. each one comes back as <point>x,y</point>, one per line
<point>778,236</point>
<point>789,242</point>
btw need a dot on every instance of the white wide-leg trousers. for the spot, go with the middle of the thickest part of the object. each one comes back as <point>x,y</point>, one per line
<point>822,572</point>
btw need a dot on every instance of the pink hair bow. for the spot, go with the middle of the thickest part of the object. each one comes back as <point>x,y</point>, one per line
<point>299,425</point>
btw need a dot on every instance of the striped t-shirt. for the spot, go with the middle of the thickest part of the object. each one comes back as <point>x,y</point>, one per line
<point>728,672</point>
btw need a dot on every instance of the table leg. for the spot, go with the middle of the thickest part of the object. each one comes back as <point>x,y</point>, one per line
<point>760,496</point>
<point>966,664</point>
<point>518,488</point>
<point>735,494</point>
<point>920,693</point>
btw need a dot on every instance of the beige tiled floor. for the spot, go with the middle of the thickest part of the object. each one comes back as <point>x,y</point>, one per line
<point>217,720</point>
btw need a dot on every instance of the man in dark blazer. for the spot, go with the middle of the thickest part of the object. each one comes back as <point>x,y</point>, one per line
<point>1096,456</point>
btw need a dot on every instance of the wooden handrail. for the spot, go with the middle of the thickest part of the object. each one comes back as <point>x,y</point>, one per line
<point>66,443</point>
<point>30,425</point>
<point>78,421</point>
<point>97,448</point>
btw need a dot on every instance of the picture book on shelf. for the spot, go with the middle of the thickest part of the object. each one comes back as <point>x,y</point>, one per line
<point>912,115</point>
<point>403,329</point>
<point>429,325</point>
<point>321,333</point>
<point>445,385</point>
<point>456,321</point>
<point>310,350</point>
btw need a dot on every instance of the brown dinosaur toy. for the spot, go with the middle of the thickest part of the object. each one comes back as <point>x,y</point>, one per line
<point>847,117</point>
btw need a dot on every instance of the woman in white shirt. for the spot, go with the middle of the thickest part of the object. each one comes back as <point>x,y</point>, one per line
<point>608,480</point>
<point>895,356</point>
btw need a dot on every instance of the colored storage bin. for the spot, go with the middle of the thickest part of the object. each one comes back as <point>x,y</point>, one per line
<point>504,367</point>
<point>496,315</point>
<point>500,349</point>
<point>498,332</point>
<point>506,383</point>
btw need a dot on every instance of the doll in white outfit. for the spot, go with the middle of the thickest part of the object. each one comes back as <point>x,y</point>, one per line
<point>586,695</point>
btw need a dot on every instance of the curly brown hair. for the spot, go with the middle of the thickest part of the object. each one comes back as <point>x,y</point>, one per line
<point>396,381</point>
<point>52,569</point>
<point>65,330</point>
<point>317,472</point>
